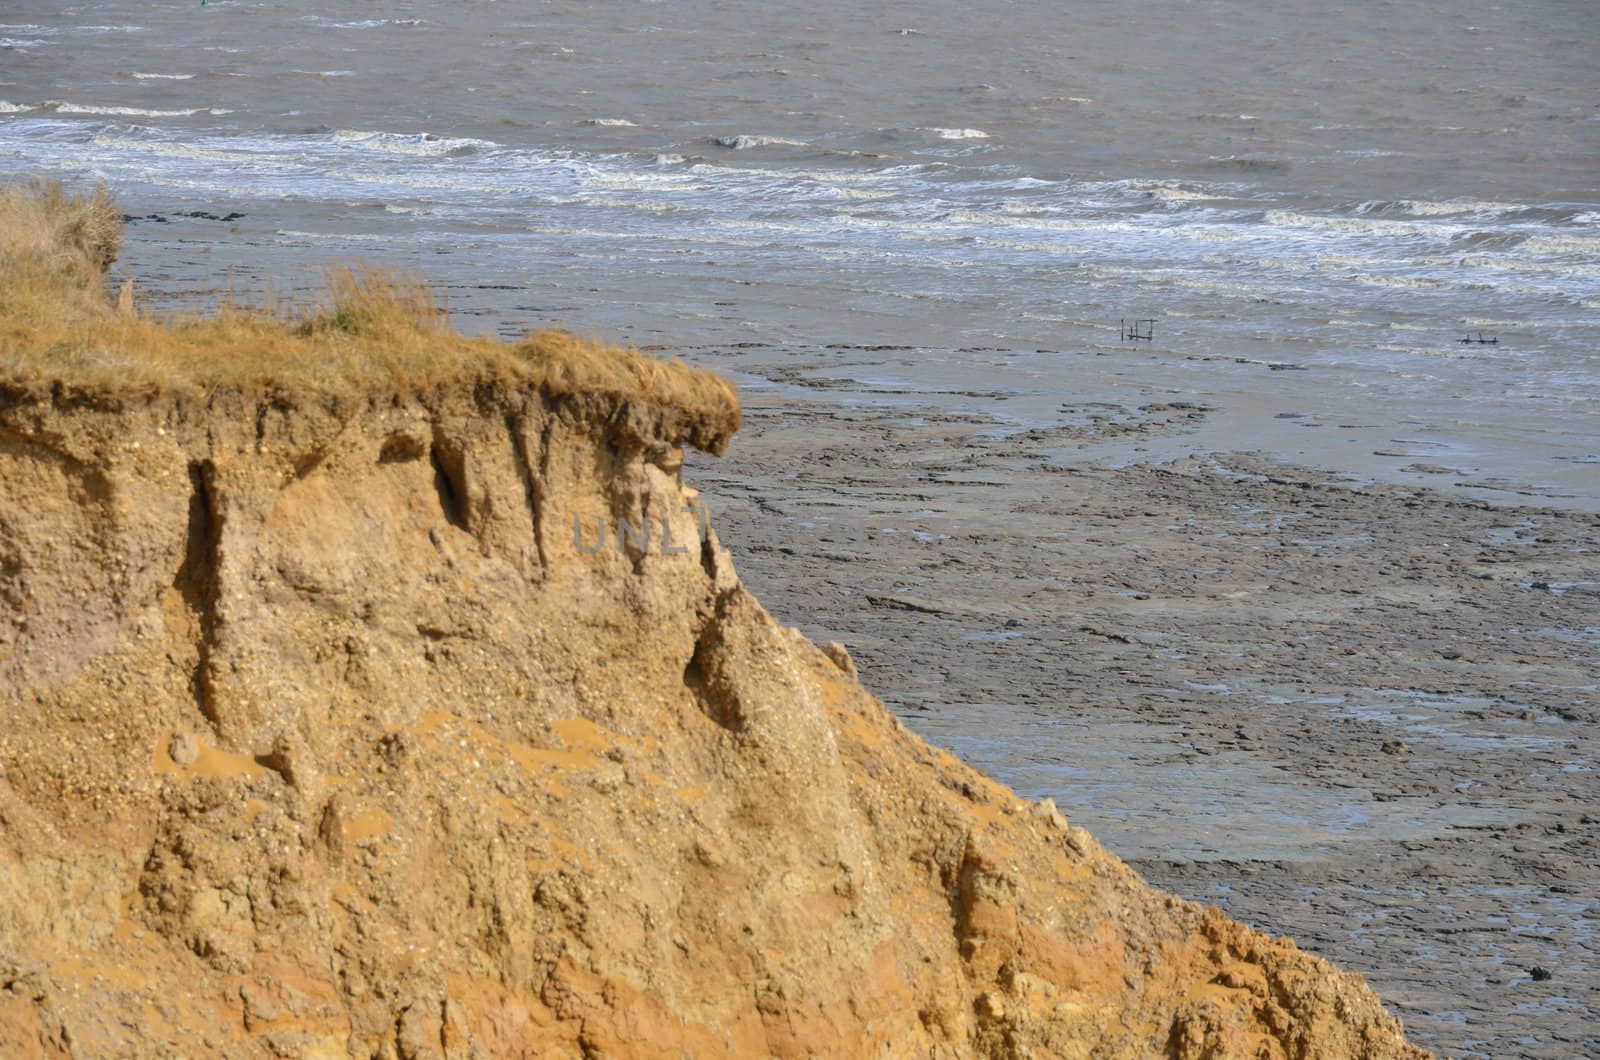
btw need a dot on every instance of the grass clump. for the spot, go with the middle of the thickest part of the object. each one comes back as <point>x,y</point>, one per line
<point>374,329</point>
<point>55,249</point>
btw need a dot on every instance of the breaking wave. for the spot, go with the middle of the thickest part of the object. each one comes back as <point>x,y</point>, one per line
<point>61,107</point>
<point>744,142</point>
<point>424,144</point>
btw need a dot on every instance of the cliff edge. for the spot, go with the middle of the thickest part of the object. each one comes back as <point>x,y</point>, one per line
<point>333,727</point>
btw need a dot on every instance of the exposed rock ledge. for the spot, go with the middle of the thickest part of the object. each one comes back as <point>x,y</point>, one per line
<point>322,736</point>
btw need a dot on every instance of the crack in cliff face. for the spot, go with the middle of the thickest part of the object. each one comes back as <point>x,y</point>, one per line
<point>196,580</point>
<point>708,551</point>
<point>698,679</point>
<point>705,677</point>
<point>532,483</point>
<point>449,482</point>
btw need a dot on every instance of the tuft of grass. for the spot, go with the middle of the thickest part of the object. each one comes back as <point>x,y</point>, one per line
<point>366,301</point>
<point>375,329</point>
<point>41,223</point>
<point>55,249</point>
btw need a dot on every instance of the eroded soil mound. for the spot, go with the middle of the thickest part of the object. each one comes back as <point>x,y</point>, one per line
<point>329,728</point>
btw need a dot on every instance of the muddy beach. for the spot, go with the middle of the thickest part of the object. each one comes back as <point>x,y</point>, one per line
<point>1363,715</point>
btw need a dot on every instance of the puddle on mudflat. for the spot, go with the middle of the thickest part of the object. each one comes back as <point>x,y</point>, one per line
<point>1440,719</point>
<point>1135,788</point>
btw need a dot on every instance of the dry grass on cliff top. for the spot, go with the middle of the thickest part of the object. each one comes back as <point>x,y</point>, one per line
<point>374,329</point>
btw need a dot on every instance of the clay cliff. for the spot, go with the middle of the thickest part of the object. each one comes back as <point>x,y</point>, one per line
<point>330,726</point>
<point>330,729</point>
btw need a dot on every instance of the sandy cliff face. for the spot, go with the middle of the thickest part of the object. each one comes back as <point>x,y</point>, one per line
<point>322,733</point>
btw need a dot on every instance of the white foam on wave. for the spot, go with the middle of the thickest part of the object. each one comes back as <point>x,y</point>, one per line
<point>173,150</point>
<point>442,183</point>
<point>744,142</point>
<point>788,176</point>
<point>1562,244</point>
<point>985,219</point>
<point>61,107</point>
<point>1168,191</point>
<point>1537,268</point>
<point>1172,193</point>
<point>960,134</point>
<point>363,23</point>
<point>1030,247</point>
<point>1342,262</point>
<point>1424,208</point>
<point>640,181</point>
<point>423,144</point>
<point>14,108</point>
<point>859,194</point>
<point>1545,294</point>
<point>621,123</point>
<point>162,77</point>
<point>631,202</point>
<point>1280,264</point>
<point>1372,279</point>
<point>752,224</point>
<point>1359,226</point>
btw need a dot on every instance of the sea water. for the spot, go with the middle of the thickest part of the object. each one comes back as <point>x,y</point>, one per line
<point>1346,189</point>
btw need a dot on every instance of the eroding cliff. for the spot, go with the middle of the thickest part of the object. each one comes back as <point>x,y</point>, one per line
<point>327,728</point>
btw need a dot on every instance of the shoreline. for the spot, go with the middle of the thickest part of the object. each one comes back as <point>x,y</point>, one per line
<point>1474,420</point>
<point>1227,404</point>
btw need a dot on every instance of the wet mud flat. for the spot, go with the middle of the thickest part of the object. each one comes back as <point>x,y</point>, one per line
<point>1361,715</point>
